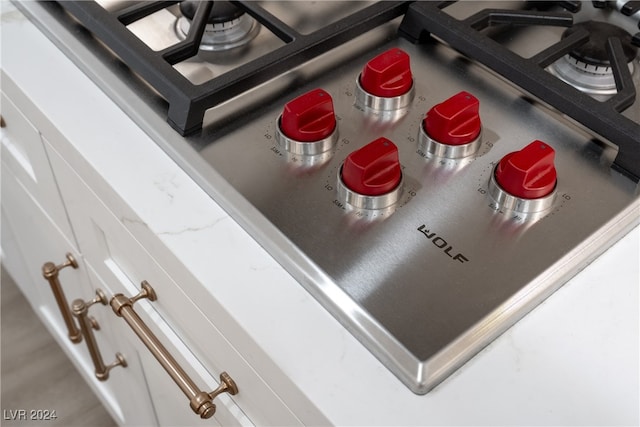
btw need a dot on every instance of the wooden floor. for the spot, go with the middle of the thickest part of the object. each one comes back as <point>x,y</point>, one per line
<point>36,374</point>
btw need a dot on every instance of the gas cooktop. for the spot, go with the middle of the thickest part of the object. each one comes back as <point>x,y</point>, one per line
<point>429,171</point>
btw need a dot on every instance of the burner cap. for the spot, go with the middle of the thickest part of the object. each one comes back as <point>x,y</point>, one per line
<point>228,26</point>
<point>594,51</point>
<point>222,11</point>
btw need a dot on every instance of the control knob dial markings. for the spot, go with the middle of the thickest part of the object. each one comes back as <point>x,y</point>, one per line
<point>529,173</point>
<point>371,177</point>
<point>452,129</point>
<point>386,82</point>
<point>525,180</point>
<point>307,124</point>
<point>388,74</point>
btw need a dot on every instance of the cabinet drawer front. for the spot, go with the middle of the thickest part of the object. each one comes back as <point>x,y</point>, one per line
<point>122,264</point>
<point>24,155</point>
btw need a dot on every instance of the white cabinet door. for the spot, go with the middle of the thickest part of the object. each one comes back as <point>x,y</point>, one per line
<point>32,210</point>
<point>37,241</point>
<point>29,239</point>
<point>35,233</point>
<point>24,154</point>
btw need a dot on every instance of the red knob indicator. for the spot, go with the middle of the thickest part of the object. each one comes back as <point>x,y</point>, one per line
<point>529,173</point>
<point>455,121</point>
<point>309,117</point>
<point>388,74</point>
<point>374,169</point>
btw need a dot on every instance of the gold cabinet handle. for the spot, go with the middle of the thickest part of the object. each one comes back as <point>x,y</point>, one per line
<point>50,272</point>
<point>200,401</point>
<point>80,309</point>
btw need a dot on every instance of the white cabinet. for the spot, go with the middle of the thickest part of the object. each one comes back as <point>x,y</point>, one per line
<point>37,241</point>
<point>35,181</point>
<point>32,212</point>
<point>32,238</point>
<point>33,216</point>
<point>24,155</point>
<point>118,264</point>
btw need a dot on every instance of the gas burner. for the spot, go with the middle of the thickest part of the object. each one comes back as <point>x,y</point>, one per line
<point>587,67</point>
<point>228,26</point>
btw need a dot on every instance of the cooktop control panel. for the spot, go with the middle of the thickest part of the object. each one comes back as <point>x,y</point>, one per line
<point>429,192</point>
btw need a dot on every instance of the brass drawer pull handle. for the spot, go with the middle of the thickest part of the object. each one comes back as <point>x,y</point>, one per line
<point>201,402</point>
<point>87,323</point>
<point>50,272</point>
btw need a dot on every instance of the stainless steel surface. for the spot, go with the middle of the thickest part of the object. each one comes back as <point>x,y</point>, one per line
<point>394,272</point>
<point>418,283</point>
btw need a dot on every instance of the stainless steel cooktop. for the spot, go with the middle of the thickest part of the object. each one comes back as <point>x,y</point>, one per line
<point>399,264</point>
<point>428,281</point>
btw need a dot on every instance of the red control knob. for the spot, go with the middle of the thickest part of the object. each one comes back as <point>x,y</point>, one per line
<point>388,74</point>
<point>374,169</point>
<point>529,173</point>
<point>309,117</point>
<point>455,121</point>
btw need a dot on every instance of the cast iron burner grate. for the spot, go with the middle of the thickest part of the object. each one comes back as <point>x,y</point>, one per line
<point>629,8</point>
<point>187,101</point>
<point>424,19</point>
